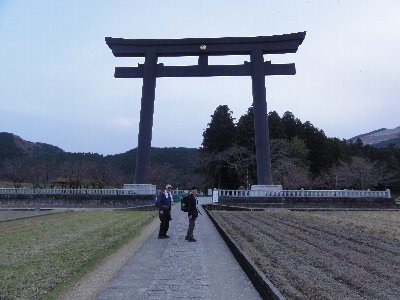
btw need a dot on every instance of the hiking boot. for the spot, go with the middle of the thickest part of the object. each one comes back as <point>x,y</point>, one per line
<point>186,237</point>
<point>162,237</point>
<point>166,236</point>
<point>192,240</point>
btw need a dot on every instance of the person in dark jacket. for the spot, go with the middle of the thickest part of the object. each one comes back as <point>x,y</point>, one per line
<point>192,214</point>
<point>164,211</point>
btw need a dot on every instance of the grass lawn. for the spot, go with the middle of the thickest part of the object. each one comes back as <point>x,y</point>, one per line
<point>41,256</point>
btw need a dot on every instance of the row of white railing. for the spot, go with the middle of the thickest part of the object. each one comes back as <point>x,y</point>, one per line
<point>307,193</point>
<point>107,192</point>
<point>231,193</point>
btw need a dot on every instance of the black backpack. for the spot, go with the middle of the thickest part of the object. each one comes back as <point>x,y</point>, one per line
<point>157,201</point>
<point>185,203</point>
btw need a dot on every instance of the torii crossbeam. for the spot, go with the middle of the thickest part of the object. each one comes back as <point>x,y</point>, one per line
<point>257,68</point>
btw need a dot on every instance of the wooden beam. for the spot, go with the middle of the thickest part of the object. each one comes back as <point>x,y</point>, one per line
<point>205,70</point>
<point>276,44</point>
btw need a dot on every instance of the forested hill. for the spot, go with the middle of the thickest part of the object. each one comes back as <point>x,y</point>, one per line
<point>178,158</point>
<point>302,156</point>
<point>41,164</point>
<point>380,138</point>
<point>12,146</point>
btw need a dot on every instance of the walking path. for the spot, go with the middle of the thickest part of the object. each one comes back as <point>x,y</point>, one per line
<point>177,269</point>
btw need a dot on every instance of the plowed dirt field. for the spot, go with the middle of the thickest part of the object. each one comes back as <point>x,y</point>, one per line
<point>322,255</point>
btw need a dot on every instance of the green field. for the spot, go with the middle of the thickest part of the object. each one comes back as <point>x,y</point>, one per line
<point>41,256</point>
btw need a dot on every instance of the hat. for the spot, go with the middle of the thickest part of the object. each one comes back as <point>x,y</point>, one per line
<point>194,188</point>
<point>168,186</point>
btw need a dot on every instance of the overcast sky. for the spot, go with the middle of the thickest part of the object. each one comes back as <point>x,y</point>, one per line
<point>57,84</point>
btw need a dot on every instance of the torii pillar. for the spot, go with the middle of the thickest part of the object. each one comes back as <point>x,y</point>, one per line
<point>255,47</point>
<point>146,118</point>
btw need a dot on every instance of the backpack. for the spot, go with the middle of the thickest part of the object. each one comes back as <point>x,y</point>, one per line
<point>157,201</point>
<point>185,203</point>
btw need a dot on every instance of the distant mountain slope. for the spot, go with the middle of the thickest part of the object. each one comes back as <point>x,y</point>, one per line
<point>380,138</point>
<point>12,146</point>
<point>180,158</point>
<point>383,144</point>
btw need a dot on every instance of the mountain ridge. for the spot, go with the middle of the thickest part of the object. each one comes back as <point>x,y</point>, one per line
<point>379,138</point>
<point>42,163</point>
<point>14,146</point>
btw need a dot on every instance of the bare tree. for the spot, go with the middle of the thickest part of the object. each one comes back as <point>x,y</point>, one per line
<point>289,163</point>
<point>242,161</point>
<point>211,164</point>
<point>40,173</point>
<point>162,174</point>
<point>15,170</point>
<point>359,173</point>
<point>73,172</point>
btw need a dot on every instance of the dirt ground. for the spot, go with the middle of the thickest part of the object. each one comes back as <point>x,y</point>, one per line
<point>322,255</point>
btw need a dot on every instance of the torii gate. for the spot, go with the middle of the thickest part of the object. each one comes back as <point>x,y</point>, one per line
<point>257,68</point>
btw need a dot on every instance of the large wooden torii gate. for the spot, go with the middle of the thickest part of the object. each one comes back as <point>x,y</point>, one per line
<point>257,68</point>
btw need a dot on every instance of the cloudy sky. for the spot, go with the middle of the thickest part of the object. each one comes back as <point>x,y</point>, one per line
<point>57,84</point>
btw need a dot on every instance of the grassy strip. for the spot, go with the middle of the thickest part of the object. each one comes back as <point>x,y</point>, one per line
<point>41,256</point>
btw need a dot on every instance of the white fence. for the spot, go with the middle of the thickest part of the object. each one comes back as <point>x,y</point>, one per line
<point>230,193</point>
<point>306,193</point>
<point>27,191</point>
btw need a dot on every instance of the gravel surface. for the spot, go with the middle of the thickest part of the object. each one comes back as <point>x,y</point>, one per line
<point>322,255</point>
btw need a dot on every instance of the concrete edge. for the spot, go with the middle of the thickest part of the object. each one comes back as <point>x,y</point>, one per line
<point>231,207</point>
<point>139,208</point>
<point>342,209</point>
<point>264,287</point>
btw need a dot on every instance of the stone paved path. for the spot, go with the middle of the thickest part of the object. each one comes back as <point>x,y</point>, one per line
<point>176,269</point>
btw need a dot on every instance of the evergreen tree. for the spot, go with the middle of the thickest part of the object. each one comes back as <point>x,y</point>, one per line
<point>245,131</point>
<point>292,126</point>
<point>276,128</point>
<point>220,133</point>
<point>317,144</point>
<point>217,138</point>
<point>338,150</point>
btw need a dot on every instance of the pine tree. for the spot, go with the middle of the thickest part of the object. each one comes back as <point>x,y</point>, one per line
<point>245,131</point>
<point>220,133</point>
<point>217,138</point>
<point>291,125</point>
<point>276,128</point>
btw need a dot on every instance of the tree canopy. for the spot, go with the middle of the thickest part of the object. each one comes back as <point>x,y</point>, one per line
<point>220,132</point>
<point>302,155</point>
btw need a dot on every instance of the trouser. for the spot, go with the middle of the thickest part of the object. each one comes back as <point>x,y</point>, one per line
<point>192,223</point>
<point>165,217</point>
